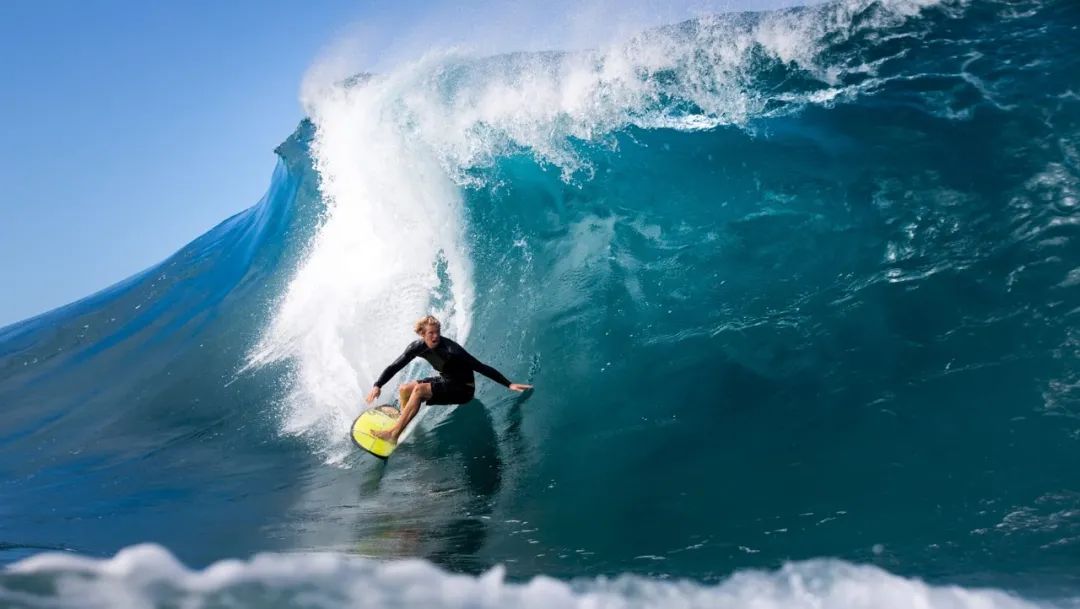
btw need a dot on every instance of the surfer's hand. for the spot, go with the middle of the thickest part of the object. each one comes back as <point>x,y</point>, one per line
<point>519,387</point>
<point>375,391</point>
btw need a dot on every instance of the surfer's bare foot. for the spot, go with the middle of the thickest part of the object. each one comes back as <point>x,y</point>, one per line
<point>385,434</point>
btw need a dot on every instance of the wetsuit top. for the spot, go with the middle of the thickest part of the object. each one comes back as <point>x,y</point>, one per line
<point>453,362</point>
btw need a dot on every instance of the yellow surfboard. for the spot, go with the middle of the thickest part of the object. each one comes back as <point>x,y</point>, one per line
<point>377,418</point>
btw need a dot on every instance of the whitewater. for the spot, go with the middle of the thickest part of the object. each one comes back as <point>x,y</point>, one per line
<point>797,290</point>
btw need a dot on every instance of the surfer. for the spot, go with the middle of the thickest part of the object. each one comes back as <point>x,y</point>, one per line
<point>455,384</point>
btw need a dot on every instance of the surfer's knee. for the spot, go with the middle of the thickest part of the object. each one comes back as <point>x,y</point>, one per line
<point>424,389</point>
<point>408,386</point>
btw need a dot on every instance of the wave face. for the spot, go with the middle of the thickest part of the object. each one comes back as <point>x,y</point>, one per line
<point>790,285</point>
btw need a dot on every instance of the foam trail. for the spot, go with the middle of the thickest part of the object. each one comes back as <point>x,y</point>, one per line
<point>149,576</point>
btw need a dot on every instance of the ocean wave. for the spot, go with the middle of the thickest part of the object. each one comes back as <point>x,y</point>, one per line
<point>149,576</point>
<point>792,284</point>
<point>395,152</point>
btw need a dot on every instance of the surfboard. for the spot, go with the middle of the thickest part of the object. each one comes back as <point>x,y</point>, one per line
<point>377,418</point>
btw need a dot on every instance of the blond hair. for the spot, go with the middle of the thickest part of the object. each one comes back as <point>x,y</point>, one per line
<point>424,322</point>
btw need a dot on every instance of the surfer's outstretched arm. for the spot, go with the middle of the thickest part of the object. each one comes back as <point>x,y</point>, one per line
<point>494,374</point>
<point>410,353</point>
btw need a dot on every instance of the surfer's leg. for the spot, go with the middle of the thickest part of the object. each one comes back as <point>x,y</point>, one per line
<point>403,393</point>
<point>420,392</point>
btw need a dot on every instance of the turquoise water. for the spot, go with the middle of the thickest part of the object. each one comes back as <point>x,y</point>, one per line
<point>797,290</point>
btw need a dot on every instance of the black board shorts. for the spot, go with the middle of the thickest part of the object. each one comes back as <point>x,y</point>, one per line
<point>448,392</point>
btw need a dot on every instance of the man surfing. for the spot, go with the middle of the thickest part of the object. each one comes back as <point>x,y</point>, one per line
<point>455,384</point>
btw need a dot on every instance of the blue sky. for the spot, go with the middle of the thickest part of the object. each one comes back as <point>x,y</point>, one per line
<point>132,127</point>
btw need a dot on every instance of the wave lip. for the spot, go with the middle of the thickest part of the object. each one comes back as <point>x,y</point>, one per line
<point>148,575</point>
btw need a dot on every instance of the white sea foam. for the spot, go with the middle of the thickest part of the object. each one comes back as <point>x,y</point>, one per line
<point>392,217</point>
<point>394,150</point>
<point>149,576</point>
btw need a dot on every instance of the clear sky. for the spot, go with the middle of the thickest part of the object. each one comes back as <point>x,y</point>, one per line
<point>133,126</point>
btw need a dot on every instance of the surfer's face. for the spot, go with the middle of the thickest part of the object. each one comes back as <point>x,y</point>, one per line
<point>431,336</point>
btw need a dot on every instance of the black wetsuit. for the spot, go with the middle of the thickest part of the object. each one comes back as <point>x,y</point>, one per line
<point>456,383</point>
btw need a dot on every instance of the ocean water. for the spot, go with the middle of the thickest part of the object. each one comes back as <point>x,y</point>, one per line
<point>799,292</point>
